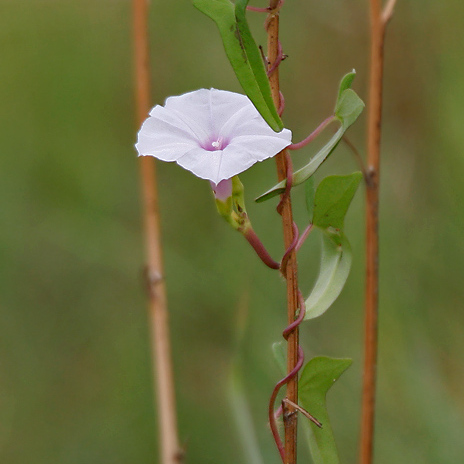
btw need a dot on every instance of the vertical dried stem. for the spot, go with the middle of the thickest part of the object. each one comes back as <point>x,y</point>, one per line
<point>290,422</point>
<point>158,315</point>
<point>378,21</point>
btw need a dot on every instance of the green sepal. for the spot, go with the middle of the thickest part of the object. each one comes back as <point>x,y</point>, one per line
<point>243,54</point>
<point>233,210</point>
<point>317,377</point>
<point>347,109</point>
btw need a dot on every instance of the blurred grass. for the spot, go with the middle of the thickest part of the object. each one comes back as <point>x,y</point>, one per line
<point>75,384</point>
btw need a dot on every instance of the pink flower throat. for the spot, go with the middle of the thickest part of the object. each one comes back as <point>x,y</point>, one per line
<point>215,144</point>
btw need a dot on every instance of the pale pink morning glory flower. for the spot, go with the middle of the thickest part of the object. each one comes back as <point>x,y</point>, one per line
<point>215,134</point>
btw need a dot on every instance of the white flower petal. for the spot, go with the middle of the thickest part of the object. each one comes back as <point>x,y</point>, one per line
<point>203,163</point>
<point>164,141</point>
<point>210,109</point>
<point>244,151</point>
<point>213,133</point>
<point>261,147</point>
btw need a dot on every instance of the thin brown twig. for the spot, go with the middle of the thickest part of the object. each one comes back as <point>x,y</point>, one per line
<point>378,22</point>
<point>303,411</point>
<point>158,314</point>
<point>290,425</point>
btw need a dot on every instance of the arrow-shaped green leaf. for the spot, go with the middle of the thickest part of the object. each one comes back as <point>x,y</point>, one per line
<point>317,377</point>
<point>331,202</point>
<point>333,198</point>
<point>243,54</point>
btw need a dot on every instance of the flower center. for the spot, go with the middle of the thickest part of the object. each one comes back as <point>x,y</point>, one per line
<point>215,144</point>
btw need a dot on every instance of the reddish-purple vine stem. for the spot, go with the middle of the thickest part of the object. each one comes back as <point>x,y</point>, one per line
<point>272,415</point>
<point>313,135</point>
<point>288,183</point>
<point>260,249</point>
<point>279,59</point>
<point>265,10</point>
<point>282,103</point>
<point>257,9</point>
<point>303,236</point>
<point>279,385</point>
<point>288,252</point>
<point>291,327</point>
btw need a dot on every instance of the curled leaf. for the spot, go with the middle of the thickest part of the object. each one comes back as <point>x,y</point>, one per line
<point>335,267</point>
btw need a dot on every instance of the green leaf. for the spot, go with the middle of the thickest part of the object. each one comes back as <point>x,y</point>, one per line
<point>317,377</point>
<point>307,171</point>
<point>349,106</point>
<point>333,197</point>
<point>331,202</point>
<point>310,192</point>
<point>243,54</point>
<point>335,267</point>
<point>345,83</point>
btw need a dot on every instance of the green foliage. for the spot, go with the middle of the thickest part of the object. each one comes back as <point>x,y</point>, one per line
<point>317,377</point>
<point>332,199</point>
<point>347,109</point>
<point>345,83</point>
<point>310,192</point>
<point>71,235</point>
<point>335,267</point>
<point>243,54</point>
<point>279,350</point>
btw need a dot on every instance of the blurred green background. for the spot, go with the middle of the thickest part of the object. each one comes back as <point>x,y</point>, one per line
<point>75,380</point>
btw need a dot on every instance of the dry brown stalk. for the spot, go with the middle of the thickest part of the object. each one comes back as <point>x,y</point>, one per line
<point>378,19</point>
<point>158,314</point>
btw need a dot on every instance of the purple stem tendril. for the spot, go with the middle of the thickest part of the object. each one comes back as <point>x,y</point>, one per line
<point>313,135</point>
<point>288,184</point>
<point>260,249</point>
<point>294,372</point>
<point>266,10</point>
<point>278,60</point>
<point>257,9</point>
<point>303,236</point>
<point>290,249</point>
<point>282,103</point>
